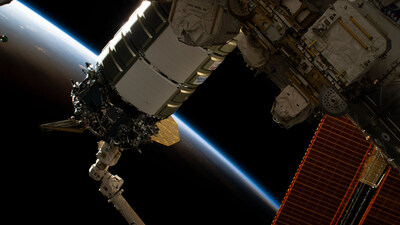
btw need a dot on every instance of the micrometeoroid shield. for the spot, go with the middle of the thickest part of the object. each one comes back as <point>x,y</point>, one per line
<point>150,68</point>
<point>141,77</point>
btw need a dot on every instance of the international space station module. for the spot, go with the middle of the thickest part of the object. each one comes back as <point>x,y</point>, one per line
<point>327,57</point>
<point>331,57</point>
<point>142,76</point>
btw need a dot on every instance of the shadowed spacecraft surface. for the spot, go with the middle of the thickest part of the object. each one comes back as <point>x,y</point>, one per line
<point>336,57</point>
<point>36,58</point>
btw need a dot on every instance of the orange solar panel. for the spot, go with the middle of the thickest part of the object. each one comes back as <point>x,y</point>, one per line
<point>385,206</point>
<point>327,176</point>
<point>168,132</point>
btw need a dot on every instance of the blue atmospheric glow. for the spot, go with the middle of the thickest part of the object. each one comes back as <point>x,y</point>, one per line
<point>263,195</point>
<point>29,9</point>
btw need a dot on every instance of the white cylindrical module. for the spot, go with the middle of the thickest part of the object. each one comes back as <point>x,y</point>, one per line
<point>143,75</point>
<point>150,68</point>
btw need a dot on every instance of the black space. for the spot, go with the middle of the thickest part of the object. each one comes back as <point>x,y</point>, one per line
<point>47,172</point>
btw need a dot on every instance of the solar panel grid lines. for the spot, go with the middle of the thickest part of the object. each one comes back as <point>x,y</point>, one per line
<point>385,206</point>
<point>353,185</point>
<point>374,198</point>
<point>327,176</point>
<point>282,221</point>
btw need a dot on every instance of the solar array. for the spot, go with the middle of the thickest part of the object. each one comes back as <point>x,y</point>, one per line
<point>168,132</point>
<point>342,179</point>
<point>385,206</point>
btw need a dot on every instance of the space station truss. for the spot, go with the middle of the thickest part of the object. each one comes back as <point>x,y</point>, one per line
<point>343,179</point>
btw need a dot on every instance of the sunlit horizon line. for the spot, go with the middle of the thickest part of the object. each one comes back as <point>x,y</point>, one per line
<point>71,37</point>
<point>267,198</point>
